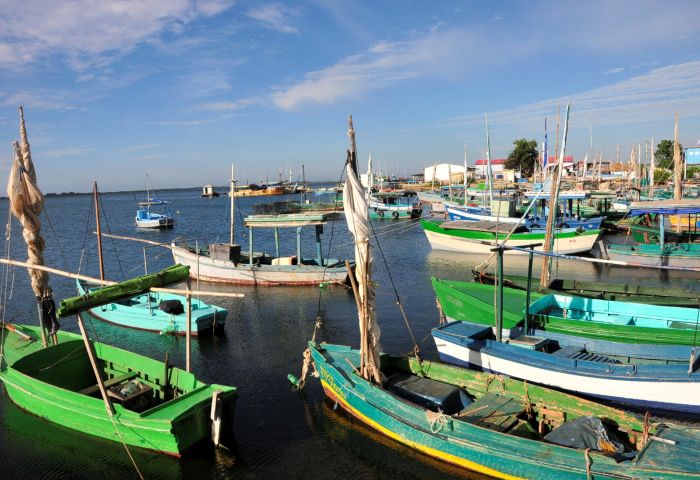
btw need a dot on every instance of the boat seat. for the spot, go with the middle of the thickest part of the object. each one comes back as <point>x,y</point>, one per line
<point>568,351</point>
<point>108,383</point>
<point>493,411</point>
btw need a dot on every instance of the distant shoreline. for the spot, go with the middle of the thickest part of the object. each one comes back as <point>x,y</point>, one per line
<point>177,189</point>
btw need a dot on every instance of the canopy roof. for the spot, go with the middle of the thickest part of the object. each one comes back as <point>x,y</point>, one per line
<point>667,207</point>
<point>286,220</point>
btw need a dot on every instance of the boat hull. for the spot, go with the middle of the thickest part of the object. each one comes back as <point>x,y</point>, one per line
<point>659,387</point>
<point>157,223</point>
<point>170,428</point>
<point>223,271</point>
<point>655,255</point>
<point>482,243</point>
<point>136,313</point>
<point>473,447</point>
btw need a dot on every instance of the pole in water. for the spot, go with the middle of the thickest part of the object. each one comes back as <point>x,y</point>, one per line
<point>529,287</point>
<point>499,298</point>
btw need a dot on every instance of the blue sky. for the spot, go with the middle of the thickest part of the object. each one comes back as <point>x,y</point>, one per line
<point>181,89</point>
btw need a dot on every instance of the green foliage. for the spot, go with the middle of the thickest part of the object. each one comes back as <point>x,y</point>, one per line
<point>693,171</point>
<point>661,175</point>
<point>523,156</point>
<point>664,153</point>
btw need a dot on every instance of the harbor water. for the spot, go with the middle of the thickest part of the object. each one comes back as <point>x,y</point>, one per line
<point>280,432</point>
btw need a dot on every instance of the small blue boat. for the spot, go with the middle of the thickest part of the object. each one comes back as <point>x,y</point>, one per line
<point>146,218</point>
<point>395,204</point>
<point>158,312</point>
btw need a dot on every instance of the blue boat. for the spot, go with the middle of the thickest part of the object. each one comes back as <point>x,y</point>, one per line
<point>395,204</point>
<point>647,376</point>
<point>158,312</point>
<point>146,218</point>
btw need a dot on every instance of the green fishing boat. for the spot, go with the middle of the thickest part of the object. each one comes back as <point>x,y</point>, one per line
<point>155,405</point>
<point>607,320</point>
<point>669,296</point>
<point>89,386</point>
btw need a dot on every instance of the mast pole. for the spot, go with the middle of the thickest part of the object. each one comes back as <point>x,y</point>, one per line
<point>553,202</point>
<point>677,173</point>
<point>232,191</point>
<point>99,230</point>
<point>488,160</point>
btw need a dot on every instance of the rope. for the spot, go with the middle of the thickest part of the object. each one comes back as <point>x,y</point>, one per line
<point>586,453</point>
<point>528,405</point>
<point>109,230</point>
<point>495,376</point>
<point>85,237</point>
<point>437,420</point>
<point>121,439</point>
<point>645,430</point>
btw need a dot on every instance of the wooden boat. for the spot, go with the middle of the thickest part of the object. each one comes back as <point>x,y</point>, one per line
<point>227,263</point>
<point>661,253</point>
<point>479,237</point>
<point>661,378</point>
<point>61,376</point>
<point>158,312</point>
<point>394,204</point>
<point>666,296</point>
<point>495,435</point>
<point>490,424</point>
<point>625,322</point>
<point>156,406</point>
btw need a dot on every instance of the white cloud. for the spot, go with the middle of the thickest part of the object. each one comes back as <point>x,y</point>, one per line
<point>91,32</point>
<point>220,106</point>
<point>652,96</point>
<point>191,123</point>
<point>385,63</point>
<point>65,152</point>
<point>613,71</point>
<point>275,17</point>
<point>136,148</point>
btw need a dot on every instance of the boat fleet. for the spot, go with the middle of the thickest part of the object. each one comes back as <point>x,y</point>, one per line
<point>556,380</point>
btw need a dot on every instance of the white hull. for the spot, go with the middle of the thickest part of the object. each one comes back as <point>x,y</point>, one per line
<point>668,393</point>
<point>223,271</point>
<point>656,260</point>
<point>564,246</point>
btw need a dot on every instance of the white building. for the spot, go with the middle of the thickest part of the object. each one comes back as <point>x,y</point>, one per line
<point>441,173</point>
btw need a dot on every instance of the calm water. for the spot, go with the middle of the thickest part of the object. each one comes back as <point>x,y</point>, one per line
<point>280,433</point>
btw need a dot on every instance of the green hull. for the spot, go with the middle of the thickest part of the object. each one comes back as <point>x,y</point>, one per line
<point>473,302</point>
<point>672,297</point>
<point>52,382</point>
<point>499,438</point>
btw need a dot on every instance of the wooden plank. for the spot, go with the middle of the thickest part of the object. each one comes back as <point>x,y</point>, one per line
<point>109,383</point>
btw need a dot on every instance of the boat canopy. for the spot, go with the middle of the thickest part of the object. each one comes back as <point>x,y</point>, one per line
<point>286,220</point>
<point>666,207</point>
<point>578,195</point>
<point>154,201</point>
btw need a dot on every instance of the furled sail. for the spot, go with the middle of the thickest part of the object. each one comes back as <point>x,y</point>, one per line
<point>357,217</point>
<point>26,203</point>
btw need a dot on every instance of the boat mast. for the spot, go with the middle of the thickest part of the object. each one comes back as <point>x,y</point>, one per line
<point>99,230</point>
<point>356,215</point>
<point>651,170</point>
<point>232,192</point>
<point>464,188</point>
<point>677,177</point>
<point>553,202</point>
<point>488,160</point>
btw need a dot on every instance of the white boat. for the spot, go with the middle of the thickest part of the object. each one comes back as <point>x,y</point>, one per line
<point>480,237</point>
<point>226,263</point>
<point>146,218</point>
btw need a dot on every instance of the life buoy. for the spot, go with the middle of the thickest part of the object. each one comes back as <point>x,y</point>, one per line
<point>395,215</point>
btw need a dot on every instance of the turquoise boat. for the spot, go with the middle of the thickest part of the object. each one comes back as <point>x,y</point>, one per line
<point>502,429</point>
<point>394,204</point>
<point>607,320</point>
<point>158,312</point>
<point>663,253</point>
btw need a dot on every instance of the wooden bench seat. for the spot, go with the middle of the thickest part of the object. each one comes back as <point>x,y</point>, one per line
<point>108,383</point>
